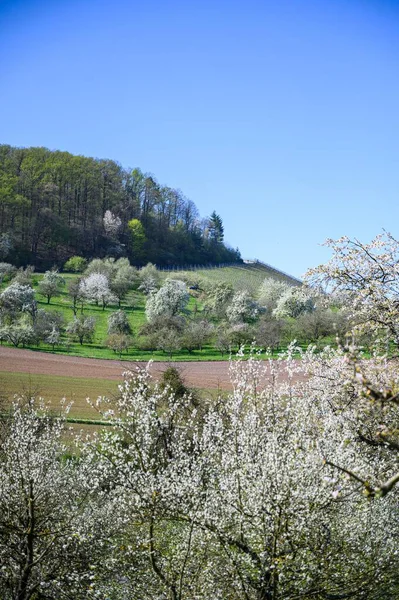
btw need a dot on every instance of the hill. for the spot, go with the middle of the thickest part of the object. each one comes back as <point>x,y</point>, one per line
<point>249,275</point>
<point>54,205</point>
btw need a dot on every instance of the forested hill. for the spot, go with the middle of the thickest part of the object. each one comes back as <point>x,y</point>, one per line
<point>54,205</point>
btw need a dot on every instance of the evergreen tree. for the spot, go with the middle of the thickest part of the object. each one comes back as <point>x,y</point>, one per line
<point>216,229</point>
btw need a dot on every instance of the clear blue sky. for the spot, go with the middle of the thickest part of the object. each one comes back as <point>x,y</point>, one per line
<point>282,115</point>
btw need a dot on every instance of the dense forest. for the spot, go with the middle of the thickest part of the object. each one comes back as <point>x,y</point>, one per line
<point>54,205</point>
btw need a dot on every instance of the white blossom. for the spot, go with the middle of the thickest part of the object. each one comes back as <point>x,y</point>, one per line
<point>243,308</point>
<point>95,287</point>
<point>170,300</point>
<point>112,223</point>
<point>294,302</point>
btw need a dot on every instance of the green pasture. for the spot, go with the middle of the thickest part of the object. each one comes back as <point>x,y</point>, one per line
<point>134,306</point>
<point>53,388</point>
<point>241,277</point>
<point>247,277</point>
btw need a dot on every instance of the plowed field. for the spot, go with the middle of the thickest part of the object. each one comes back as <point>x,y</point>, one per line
<point>207,375</point>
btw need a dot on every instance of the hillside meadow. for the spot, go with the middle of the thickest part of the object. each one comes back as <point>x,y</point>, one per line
<point>246,277</point>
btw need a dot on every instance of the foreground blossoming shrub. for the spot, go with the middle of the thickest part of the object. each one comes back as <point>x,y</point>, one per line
<point>51,519</point>
<point>240,501</point>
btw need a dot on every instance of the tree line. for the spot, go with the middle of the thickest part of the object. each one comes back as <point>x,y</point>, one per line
<point>54,205</point>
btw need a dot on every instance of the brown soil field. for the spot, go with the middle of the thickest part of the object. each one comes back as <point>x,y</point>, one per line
<point>205,375</point>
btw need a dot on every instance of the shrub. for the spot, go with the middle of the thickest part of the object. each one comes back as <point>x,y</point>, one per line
<point>75,264</point>
<point>173,382</point>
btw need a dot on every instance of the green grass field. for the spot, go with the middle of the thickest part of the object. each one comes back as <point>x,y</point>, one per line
<point>247,277</point>
<point>241,277</point>
<point>82,417</point>
<point>54,388</point>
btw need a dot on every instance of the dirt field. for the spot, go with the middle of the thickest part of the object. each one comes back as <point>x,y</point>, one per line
<point>208,375</point>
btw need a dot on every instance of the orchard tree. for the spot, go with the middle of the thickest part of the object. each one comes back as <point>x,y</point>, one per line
<point>54,337</point>
<point>170,300</point>
<point>293,302</point>
<point>270,291</point>
<point>50,284</point>
<point>312,326</point>
<point>149,279</point>
<point>46,322</point>
<point>169,341</point>
<point>82,328</point>
<point>240,334</point>
<point>124,280</point>
<point>106,266</point>
<point>18,332</point>
<point>53,520</point>
<point>7,271</point>
<point>17,298</point>
<point>218,296</point>
<point>243,308</point>
<point>367,276</point>
<point>118,323</point>
<point>24,276</point>
<point>222,340</point>
<point>268,333</point>
<point>77,295</point>
<point>95,287</point>
<point>119,342</point>
<point>241,501</point>
<point>364,411</point>
<point>196,334</point>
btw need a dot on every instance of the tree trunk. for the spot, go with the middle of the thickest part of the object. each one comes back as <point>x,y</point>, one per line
<point>23,591</point>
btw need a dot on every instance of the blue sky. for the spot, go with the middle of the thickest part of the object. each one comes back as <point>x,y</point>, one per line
<point>280,115</point>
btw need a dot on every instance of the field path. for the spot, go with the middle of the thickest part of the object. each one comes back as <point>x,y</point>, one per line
<point>208,375</point>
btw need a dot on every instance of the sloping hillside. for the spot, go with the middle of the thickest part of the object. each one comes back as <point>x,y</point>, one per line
<point>249,275</point>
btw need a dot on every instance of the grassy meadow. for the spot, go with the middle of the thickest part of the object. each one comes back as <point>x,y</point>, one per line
<point>242,277</point>
<point>53,388</point>
<point>247,277</point>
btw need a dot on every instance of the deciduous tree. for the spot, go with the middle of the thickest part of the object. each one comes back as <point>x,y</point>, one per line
<point>50,284</point>
<point>243,308</point>
<point>82,328</point>
<point>95,287</point>
<point>53,531</point>
<point>170,300</point>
